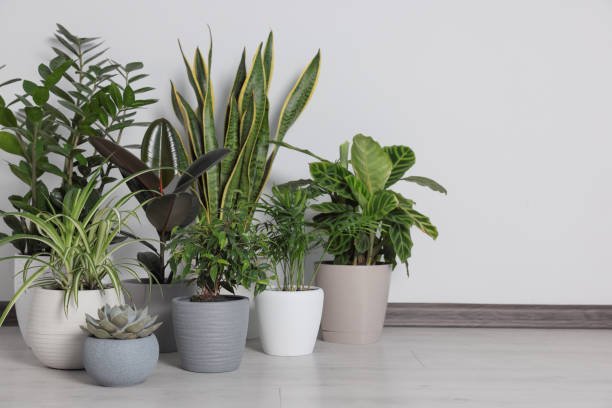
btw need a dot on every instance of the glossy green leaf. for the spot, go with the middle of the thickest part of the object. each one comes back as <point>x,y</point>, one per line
<point>380,204</point>
<point>358,190</point>
<point>7,118</point>
<point>9,143</point>
<point>162,150</point>
<point>332,177</point>
<point>401,241</point>
<point>422,222</point>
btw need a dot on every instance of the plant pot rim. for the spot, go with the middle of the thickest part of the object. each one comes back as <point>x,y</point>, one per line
<point>331,263</point>
<point>187,300</point>
<point>80,290</point>
<point>140,282</point>
<point>89,338</point>
<point>308,289</point>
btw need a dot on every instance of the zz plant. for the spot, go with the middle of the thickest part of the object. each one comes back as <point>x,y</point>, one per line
<point>364,221</point>
<point>80,94</point>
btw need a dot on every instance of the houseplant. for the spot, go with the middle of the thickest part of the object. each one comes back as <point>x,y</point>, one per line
<point>211,328</point>
<point>78,274</point>
<point>80,93</point>
<point>367,228</point>
<point>120,349</point>
<point>164,191</point>
<point>246,132</point>
<point>289,312</point>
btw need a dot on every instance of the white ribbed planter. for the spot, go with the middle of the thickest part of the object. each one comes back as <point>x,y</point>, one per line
<point>289,321</point>
<point>56,339</point>
<point>22,307</point>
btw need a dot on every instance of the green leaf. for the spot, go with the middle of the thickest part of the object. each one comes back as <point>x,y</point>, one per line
<point>268,58</point>
<point>332,177</point>
<point>53,77</point>
<point>401,241</point>
<point>370,163</point>
<point>7,118</point>
<point>128,96</point>
<point>426,182</point>
<point>9,143</point>
<point>422,222</point>
<point>134,66</point>
<point>331,208</point>
<point>380,204</point>
<point>298,97</point>
<point>402,159</point>
<point>162,149</point>
<point>231,140</point>
<point>359,190</point>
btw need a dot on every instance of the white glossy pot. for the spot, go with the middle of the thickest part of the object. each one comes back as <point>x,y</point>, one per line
<point>56,339</point>
<point>289,321</point>
<point>22,307</point>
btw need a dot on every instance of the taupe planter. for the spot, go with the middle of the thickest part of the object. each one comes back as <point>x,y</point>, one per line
<point>210,336</point>
<point>159,302</point>
<point>355,302</point>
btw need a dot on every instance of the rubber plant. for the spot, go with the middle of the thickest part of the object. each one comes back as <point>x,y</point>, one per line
<point>81,93</point>
<point>365,222</point>
<point>162,185</point>
<point>240,179</point>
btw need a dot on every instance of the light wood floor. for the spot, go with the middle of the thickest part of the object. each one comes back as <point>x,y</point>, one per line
<point>409,367</point>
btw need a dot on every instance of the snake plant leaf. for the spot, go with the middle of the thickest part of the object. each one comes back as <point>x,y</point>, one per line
<point>380,204</point>
<point>10,144</point>
<point>198,167</point>
<point>259,156</point>
<point>231,141</point>
<point>210,143</point>
<point>426,182</point>
<point>254,87</point>
<point>370,162</point>
<point>125,160</point>
<point>201,74</point>
<point>268,59</point>
<point>401,241</point>
<point>298,97</point>
<point>422,222</point>
<point>190,123</point>
<point>162,150</point>
<point>402,159</point>
<point>331,176</point>
<point>172,210</point>
<point>192,77</point>
<point>358,189</point>
<point>240,77</point>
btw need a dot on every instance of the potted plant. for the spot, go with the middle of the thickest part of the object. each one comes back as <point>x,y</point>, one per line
<point>246,131</point>
<point>120,349</point>
<point>80,93</point>
<point>161,181</point>
<point>367,228</point>
<point>289,313</point>
<point>210,327</point>
<point>78,274</point>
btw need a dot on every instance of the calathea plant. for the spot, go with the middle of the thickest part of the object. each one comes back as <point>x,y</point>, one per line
<point>80,94</point>
<point>365,221</point>
<point>221,253</point>
<point>163,189</point>
<point>239,180</point>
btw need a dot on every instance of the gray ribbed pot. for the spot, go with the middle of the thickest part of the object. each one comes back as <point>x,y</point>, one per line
<point>119,363</point>
<point>159,301</point>
<point>210,336</point>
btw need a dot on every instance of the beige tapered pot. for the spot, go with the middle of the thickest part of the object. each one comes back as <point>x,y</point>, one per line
<point>355,302</point>
<point>55,337</point>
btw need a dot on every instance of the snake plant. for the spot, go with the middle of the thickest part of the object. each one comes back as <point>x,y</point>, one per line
<point>247,132</point>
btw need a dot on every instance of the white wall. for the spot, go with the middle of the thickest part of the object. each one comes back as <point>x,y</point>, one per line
<point>507,103</point>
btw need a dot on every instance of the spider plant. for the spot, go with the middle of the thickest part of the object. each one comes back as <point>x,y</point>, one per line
<point>81,240</point>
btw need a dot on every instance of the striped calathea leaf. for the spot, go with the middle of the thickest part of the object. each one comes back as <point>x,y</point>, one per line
<point>365,221</point>
<point>247,131</point>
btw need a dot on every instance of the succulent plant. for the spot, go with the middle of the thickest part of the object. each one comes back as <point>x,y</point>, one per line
<point>121,322</point>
